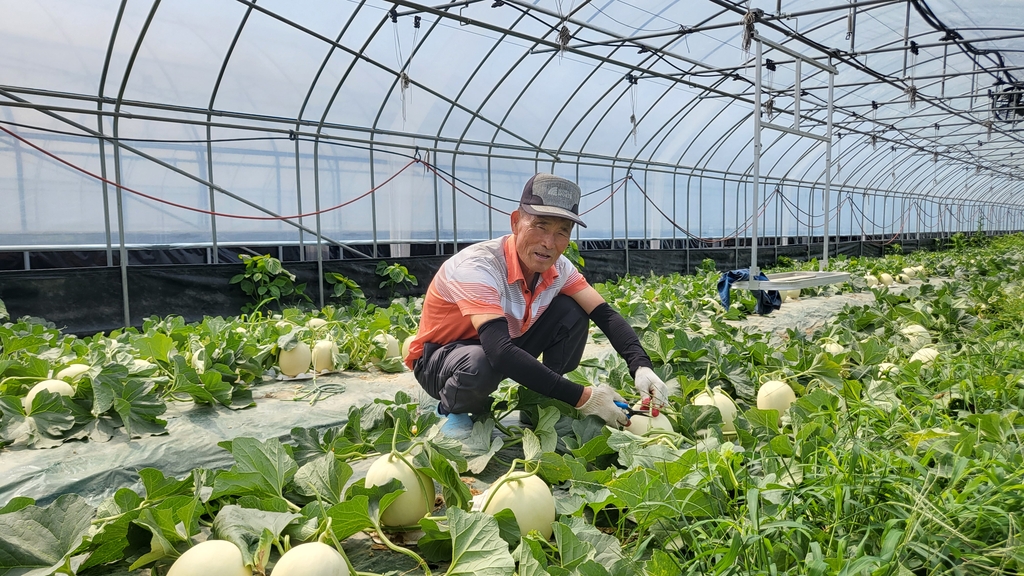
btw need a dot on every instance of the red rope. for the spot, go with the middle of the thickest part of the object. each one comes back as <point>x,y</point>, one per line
<point>201,210</point>
<point>464,193</point>
<point>608,197</point>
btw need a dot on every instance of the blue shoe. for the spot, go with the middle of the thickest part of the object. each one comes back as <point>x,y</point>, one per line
<point>457,426</point>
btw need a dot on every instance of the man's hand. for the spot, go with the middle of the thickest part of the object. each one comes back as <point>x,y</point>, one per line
<point>602,404</point>
<point>650,386</point>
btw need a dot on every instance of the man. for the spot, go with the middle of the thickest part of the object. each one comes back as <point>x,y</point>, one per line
<point>496,306</point>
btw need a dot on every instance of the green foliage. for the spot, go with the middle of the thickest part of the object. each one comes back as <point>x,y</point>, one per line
<point>344,288</point>
<point>395,276</point>
<point>42,540</point>
<point>267,282</point>
<point>572,252</point>
<point>784,262</point>
<point>915,470</point>
<point>707,266</point>
<point>894,249</point>
<point>959,241</point>
<point>979,238</point>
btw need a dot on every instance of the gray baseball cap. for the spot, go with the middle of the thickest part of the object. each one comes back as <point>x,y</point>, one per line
<point>550,195</point>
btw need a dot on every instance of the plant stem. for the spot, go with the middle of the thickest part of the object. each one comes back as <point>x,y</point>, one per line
<point>341,550</point>
<point>419,480</point>
<point>505,430</point>
<point>401,550</point>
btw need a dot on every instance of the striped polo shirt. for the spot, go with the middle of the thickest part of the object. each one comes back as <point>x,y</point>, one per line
<point>486,278</point>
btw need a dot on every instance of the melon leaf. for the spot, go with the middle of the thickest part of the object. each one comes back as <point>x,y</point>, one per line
<point>261,468</point>
<point>245,528</point>
<point>439,468</point>
<point>531,558</point>
<point>477,547</point>
<point>110,541</point>
<point>350,517</point>
<point>42,427</point>
<point>155,346</point>
<point>35,541</point>
<point>138,406</point>
<point>323,478</point>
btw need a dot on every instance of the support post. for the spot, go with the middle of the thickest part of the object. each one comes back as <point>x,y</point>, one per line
<point>828,168</point>
<point>757,157</point>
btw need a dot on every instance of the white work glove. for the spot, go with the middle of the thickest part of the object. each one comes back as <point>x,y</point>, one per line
<point>602,404</point>
<point>650,386</point>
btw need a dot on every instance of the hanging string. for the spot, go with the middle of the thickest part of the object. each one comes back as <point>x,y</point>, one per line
<point>416,22</point>
<point>911,90</point>
<point>892,162</point>
<point>839,154</point>
<point>749,19</point>
<point>403,76</point>
<point>769,105</point>
<point>874,120</point>
<point>564,34</point>
<point>633,82</point>
<point>849,23</point>
<point>914,52</point>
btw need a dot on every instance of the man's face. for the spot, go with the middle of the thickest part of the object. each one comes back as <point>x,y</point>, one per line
<point>540,240</point>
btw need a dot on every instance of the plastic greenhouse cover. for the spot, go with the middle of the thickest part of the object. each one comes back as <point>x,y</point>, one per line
<point>96,470</point>
<point>494,98</point>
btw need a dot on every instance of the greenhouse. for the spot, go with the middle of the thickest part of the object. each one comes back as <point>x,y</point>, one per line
<point>508,287</point>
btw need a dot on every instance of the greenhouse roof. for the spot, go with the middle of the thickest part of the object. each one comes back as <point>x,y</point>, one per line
<point>926,95</point>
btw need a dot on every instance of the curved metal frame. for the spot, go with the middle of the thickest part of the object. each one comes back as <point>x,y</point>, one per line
<point>592,103</point>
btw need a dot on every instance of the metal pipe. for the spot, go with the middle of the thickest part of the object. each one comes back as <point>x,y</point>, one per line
<point>797,97</point>
<point>757,159</point>
<point>974,72</point>
<point>828,175</point>
<point>209,131</point>
<point>360,54</point>
<point>906,39</point>
<point>448,6</point>
<point>319,234</point>
<point>596,159</point>
<point>495,28</point>
<point>625,218</point>
<point>117,160</point>
<point>455,212</point>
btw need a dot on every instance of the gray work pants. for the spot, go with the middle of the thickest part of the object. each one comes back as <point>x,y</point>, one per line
<point>459,376</point>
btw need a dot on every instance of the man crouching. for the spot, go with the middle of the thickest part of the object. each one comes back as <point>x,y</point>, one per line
<point>496,306</point>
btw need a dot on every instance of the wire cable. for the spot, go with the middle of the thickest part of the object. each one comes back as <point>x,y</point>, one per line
<point>193,208</point>
<point>415,159</point>
<point>734,235</point>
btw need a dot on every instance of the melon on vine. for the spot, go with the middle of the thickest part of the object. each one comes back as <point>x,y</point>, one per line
<point>528,497</point>
<point>209,558</point>
<point>725,405</point>
<point>775,395</point>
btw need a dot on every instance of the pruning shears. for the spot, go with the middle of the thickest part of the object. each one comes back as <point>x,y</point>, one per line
<point>646,410</point>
